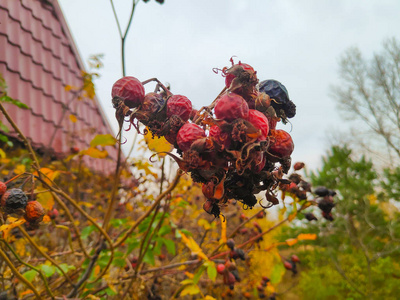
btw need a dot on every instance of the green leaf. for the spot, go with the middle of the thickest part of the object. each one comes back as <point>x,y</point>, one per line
<point>197,276</point>
<point>10,100</point>
<point>170,245</point>
<point>4,127</point>
<point>87,231</point>
<point>118,222</point>
<point>277,273</point>
<point>30,275</point>
<point>211,270</point>
<point>149,257</point>
<point>132,243</point>
<point>164,230</point>
<point>104,259</point>
<point>65,268</point>
<point>191,289</point>
<point>48,270</point>
<point>110,292</point>
<point>103,140</point>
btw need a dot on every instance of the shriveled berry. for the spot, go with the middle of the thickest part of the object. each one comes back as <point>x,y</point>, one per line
<point>152,103</point>
<point>277,91</point>
<point>230,107</point>
<point>310,216</point>
<point>220,268</point>
<point>3,188</point>
<point>326,204</point>
<point>260,121</point>
<point>128,89</point>
<point>230,243</point>
<point>180,106</point>
<point>236,71</point>
<point>188,134</point>
<point>282,144</point>
<point>53,214</point>
<point>34,212</point>
<point>14,200</point>
<point>321,191</point>
<point>327,215</point>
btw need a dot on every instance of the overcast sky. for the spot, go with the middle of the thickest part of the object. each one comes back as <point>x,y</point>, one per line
<point>296,42</point>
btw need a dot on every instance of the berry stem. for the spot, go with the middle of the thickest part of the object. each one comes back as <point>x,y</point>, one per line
<point>166,90</point>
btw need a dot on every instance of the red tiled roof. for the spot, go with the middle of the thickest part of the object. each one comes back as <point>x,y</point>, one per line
<point>38,59</point>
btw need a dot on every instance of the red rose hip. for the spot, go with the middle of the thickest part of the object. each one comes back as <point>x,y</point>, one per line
<point>188,134</point>
<point>231,107</point>
<point>260,121</point>
<point>281,143</point>
<point>130,90</point>
<point>179,105</point>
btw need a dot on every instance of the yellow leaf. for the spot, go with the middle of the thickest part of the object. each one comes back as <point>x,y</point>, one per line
<point>95,153</point>
<point>192,245</point>
<point>292,216</point>
<point>208,297</point>
<point>87,204</point>
<point>190,289</point>
<point>203,222</point>
<point>223,229</point>
<point>96,270</point>
<point>20,247</point>
<point>2,154</point>
<point>19,169</point>
<point>157,144</point>
<point>27,292</point>
<point>50,175</point>
<point>73,118</point>
<point>46,199</point>
<point>189,275</point>
<point>291,242</point>
<point>6,228</point>
<point>129,206</point>
<point>103,140</point>
<point>307,236</point>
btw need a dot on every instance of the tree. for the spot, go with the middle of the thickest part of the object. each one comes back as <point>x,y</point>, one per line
<point>355,251</point>
<point>369,92</point>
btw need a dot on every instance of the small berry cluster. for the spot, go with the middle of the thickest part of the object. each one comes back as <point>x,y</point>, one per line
<point>231,146</point>
<point>291,264</point>
<point>15,202</point>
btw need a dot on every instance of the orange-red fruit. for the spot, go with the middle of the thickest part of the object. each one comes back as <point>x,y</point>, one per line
<point>231,106</point>
<point>260,121</point>
<point>281,143</point>
<point>179,105</point>
<point>287,265</point>
<point>34,212</point>
<point>130,90</point>
<point>3,188</point>
<point>188,134</point>
<point>220,268</point>
<point>298,166</point>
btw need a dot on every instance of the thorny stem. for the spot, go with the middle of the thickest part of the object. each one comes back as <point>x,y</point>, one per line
<point>19,275</point>
<point>30,266</point>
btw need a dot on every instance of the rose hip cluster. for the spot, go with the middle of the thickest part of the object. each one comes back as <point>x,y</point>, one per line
<point>15,202</point>
<point>231,147</point>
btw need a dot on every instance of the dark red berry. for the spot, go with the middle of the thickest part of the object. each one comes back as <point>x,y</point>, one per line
<point>34,212</point>
<point>298,166</point>
<point>130,90</point>
<point>310,216</point>
<point>14,200</point>
<point>287,265</point>
<point>295,258</point>
<point>3,188</point>
<point>180,106</point>
<point>53,214</point>
<point>235,71</point>
<point>282,144</point>
<point>260,121</point>
<point>188,134</point>
<point>230,107</point>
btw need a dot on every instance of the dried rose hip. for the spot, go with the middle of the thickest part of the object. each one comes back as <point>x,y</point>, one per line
<point>128,89</point>
<point>34,212</point>
<point>281,143</point>
<point>188,134</point>
<point>3,188</point>
<point>14,200</point>
<point>180,106</point>
<point>231,107</point>
<point>235,71</point>
<point>260,121</point>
